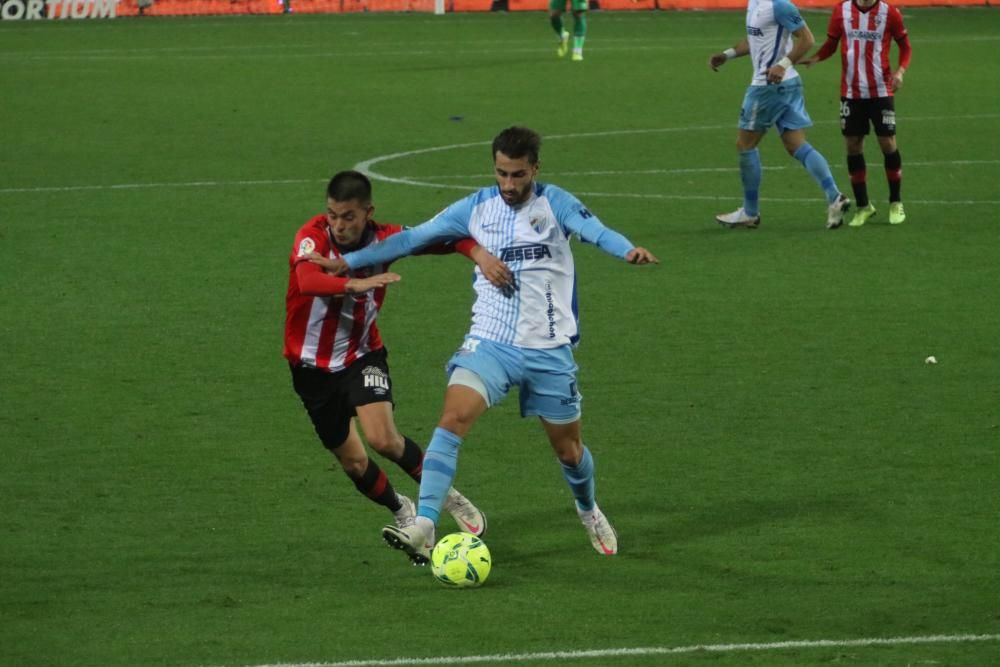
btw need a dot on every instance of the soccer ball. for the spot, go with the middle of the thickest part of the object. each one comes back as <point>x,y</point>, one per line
<point>461,560</point>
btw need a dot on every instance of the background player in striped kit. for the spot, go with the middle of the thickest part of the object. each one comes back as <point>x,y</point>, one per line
<point>775,97</point>
<point>522,336</point>
<point>865,28</point>
<point>338,362</point>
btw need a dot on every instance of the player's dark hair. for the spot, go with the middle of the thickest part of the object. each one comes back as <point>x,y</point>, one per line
<point>348,186</point>
<point>518,142</point>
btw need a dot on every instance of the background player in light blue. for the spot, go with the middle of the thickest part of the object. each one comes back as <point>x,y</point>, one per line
<point>775,97</point>
<point>523,331</point>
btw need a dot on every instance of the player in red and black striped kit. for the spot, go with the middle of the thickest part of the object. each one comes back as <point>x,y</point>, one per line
<point>865,30</point>
<point>338,362</point>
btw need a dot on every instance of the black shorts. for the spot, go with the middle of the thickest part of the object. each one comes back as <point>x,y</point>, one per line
<point>331,398</point>
<point>858,116</point>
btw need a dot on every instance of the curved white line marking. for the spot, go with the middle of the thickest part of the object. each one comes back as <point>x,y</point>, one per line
<point>366,166</point>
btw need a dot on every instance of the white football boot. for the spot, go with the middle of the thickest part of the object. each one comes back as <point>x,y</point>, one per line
<point>602,534</point>
<point>466,515</point>
<point>835,211</point>
<point>413,540</point>
<point>406,513</point>
<point>738,218</point>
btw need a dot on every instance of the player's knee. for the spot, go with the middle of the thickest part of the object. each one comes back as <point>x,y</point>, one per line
<point>570,457</point>
<point>792,146</point>
<point>387,443</point>
<point>855,145</point>
<point>457,421</point>
<point>353,466</point>
<point>569,451</point>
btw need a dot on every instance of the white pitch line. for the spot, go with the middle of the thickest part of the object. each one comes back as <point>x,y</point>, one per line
<point>366,168</point>
<point>486,177</point>
<point>423,46</point>
<point>698,170</point>
<point>317,54</point>
<point>647,651</point>
<point>144,186</point>
<point>620,195</point>
<point>818,198</point>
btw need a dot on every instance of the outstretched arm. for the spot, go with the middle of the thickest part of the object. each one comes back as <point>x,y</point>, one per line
<point>576,219</point>
<point>639,255</point>
<point>449,225</point>
<point>491,266</point>
<point>611,242</point>
<point>313,281</point>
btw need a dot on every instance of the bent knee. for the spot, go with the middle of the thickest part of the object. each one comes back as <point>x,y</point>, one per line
<point>569,451</point>
<point>458,422</point>
<point>388,445</point>
<point>353,466</point>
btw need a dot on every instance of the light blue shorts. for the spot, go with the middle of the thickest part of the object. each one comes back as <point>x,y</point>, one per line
<point>546,379</point>
<point>783,106</point>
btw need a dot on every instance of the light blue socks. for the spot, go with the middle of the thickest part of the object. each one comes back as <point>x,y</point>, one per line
<point>440,461</point>
<point>581,480</point>
<point>818,168</point>
<point>750,174</point>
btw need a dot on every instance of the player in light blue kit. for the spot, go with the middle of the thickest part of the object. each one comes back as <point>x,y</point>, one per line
<point>522,333</point>
<point>775,97</point>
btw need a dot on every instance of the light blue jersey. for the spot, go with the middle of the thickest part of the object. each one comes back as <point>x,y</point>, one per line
<point>533,240</point>
<point>770,24</point>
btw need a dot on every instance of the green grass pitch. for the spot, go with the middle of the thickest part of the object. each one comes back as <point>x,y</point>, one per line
<point>781,464</point>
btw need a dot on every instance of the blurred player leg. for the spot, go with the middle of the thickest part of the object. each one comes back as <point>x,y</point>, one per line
<point>556,8</point>
<point>579,32</point>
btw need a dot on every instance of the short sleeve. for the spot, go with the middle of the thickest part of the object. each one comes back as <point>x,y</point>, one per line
<point>787,16</point>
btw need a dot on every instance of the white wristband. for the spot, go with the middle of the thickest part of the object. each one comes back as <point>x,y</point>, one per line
<point>785,63</point>
<point>729,53</point>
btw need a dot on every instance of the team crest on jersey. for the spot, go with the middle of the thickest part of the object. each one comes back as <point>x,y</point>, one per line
<point>306,246</point>
<point>537,224</point>
<point>376,379</point>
